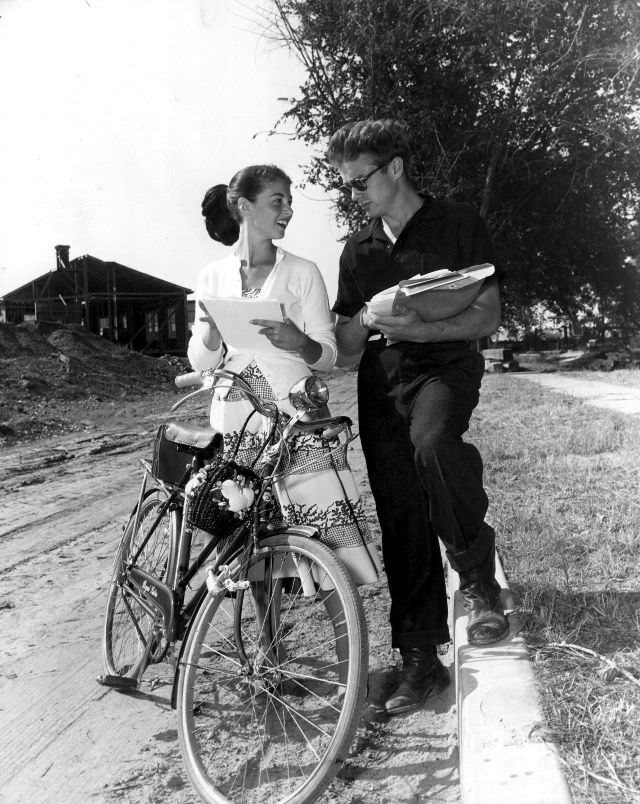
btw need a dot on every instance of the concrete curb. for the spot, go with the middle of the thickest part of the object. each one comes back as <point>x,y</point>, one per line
<point>502,758</point>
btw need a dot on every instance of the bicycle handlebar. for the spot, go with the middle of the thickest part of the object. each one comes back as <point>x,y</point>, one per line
<point>198,379</point>
<point>206,381</point>
<point>190,380</point>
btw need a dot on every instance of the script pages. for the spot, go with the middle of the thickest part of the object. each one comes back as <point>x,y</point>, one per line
<point>439,293</point>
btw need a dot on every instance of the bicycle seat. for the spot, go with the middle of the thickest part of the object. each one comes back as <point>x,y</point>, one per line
<point>191,438</point>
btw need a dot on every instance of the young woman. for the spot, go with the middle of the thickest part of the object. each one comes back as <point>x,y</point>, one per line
<point>249,214</point>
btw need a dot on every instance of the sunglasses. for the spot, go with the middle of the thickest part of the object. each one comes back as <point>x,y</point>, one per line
<point>360,184</point>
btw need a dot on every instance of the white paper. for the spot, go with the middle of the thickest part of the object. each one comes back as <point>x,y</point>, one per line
<point>232,318</point>
<point>382,303</point>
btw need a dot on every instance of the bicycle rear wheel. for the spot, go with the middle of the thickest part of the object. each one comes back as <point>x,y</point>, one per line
<point>277,726</point>
<point>128,626</point>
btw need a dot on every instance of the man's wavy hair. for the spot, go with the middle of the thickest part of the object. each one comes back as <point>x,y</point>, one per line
<point>380,139</point>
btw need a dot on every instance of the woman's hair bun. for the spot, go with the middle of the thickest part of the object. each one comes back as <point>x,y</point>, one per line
<point>221,225</point>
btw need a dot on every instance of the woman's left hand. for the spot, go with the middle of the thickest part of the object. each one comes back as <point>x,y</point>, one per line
<point>283,335</point>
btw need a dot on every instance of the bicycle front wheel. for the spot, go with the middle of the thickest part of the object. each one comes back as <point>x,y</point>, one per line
<point>129,626</point>
<point>273,678</point>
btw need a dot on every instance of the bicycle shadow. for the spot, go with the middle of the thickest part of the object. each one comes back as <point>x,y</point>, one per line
<point>147,691</point>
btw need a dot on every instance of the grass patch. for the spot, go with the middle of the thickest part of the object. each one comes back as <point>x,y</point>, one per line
<point>563,482</point>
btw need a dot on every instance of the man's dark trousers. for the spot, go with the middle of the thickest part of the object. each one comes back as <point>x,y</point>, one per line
<point>415,402</point>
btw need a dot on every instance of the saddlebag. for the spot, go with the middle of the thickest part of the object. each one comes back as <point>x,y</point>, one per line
<point>176,445</point>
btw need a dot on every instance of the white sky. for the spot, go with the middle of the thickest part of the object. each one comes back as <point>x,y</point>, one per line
<point>115,118</point>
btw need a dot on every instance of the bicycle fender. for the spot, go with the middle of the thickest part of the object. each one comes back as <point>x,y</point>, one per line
<point>187,631</point>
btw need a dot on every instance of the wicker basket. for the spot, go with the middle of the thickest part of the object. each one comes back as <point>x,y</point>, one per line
<point>208,509</point>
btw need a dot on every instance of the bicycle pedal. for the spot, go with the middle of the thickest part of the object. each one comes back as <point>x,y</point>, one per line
<point>124,683</point>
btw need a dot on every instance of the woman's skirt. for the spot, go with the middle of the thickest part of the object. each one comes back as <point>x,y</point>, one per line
<point>316,486</point>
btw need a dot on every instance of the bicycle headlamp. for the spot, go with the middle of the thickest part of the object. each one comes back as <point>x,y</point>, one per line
<point>309,393</point>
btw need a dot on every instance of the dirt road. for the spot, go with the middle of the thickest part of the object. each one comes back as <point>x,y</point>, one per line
<point>63,737</point>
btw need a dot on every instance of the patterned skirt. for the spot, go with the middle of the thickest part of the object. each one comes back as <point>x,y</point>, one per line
<point>317,487</point>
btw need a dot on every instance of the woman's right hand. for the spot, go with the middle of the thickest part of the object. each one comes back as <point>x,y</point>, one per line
<point>211,337</point>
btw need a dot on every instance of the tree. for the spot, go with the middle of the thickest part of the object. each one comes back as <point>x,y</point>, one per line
<point>527,108</point>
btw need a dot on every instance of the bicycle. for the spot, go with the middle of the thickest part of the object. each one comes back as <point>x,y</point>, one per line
<point>271,672</point>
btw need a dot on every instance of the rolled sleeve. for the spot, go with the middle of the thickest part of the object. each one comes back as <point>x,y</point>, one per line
<point>327,359</point>
<point>199,356</point>
<point>349,299</point>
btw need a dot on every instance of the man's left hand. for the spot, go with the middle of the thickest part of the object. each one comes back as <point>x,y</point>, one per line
<point>403,325</point>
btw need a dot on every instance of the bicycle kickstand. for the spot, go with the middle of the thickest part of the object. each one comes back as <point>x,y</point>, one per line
<point>127,683</point>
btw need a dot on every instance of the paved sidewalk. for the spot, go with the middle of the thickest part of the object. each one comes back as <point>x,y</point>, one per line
<point>621,398</point>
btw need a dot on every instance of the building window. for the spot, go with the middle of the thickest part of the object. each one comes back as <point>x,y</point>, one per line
<point>172,327</point>
<point>151,319</point>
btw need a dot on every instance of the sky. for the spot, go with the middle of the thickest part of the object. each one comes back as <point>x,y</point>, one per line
<point>117,115</point>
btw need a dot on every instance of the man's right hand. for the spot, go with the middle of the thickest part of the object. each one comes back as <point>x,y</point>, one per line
<point>367,319</point>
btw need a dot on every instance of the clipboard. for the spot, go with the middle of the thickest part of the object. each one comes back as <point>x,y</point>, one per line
<point>232,318</point>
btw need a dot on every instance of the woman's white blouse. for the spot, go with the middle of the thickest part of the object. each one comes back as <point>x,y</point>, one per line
<point>295,282</point>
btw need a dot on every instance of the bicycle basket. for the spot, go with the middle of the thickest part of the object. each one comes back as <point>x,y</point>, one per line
<point>174,448</point>
<point>219,497</point>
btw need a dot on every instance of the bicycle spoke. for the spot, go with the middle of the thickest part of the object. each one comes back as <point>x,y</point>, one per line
<point>130,624</point>
<point>134,619</point>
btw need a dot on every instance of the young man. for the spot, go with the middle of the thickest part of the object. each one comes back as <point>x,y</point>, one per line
<point>415,398</point>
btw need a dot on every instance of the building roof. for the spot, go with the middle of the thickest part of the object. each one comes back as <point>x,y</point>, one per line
<point>69,281</point>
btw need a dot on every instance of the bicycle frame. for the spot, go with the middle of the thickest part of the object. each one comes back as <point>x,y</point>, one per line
<point>164,597</point>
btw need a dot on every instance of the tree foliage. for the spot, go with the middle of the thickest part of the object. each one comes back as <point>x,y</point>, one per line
<point>527,108</point>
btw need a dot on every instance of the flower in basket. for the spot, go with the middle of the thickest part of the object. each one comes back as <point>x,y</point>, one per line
<point>239,498</point>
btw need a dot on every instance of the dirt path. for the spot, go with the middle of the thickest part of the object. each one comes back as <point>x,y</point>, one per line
<point>620,398</point>
<point>64,738</point>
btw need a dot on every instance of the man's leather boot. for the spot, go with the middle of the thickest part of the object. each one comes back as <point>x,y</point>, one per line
<point>486,622</point>
<point>423,675</point>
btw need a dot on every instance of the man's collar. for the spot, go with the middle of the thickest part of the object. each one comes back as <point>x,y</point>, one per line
<point>432,208</point>
<point>372,231</point>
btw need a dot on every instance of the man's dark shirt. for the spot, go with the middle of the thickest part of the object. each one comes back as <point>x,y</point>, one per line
<point>441,234</point>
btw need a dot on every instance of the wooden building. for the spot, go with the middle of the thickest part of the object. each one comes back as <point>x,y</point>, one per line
<point>126,306</point>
